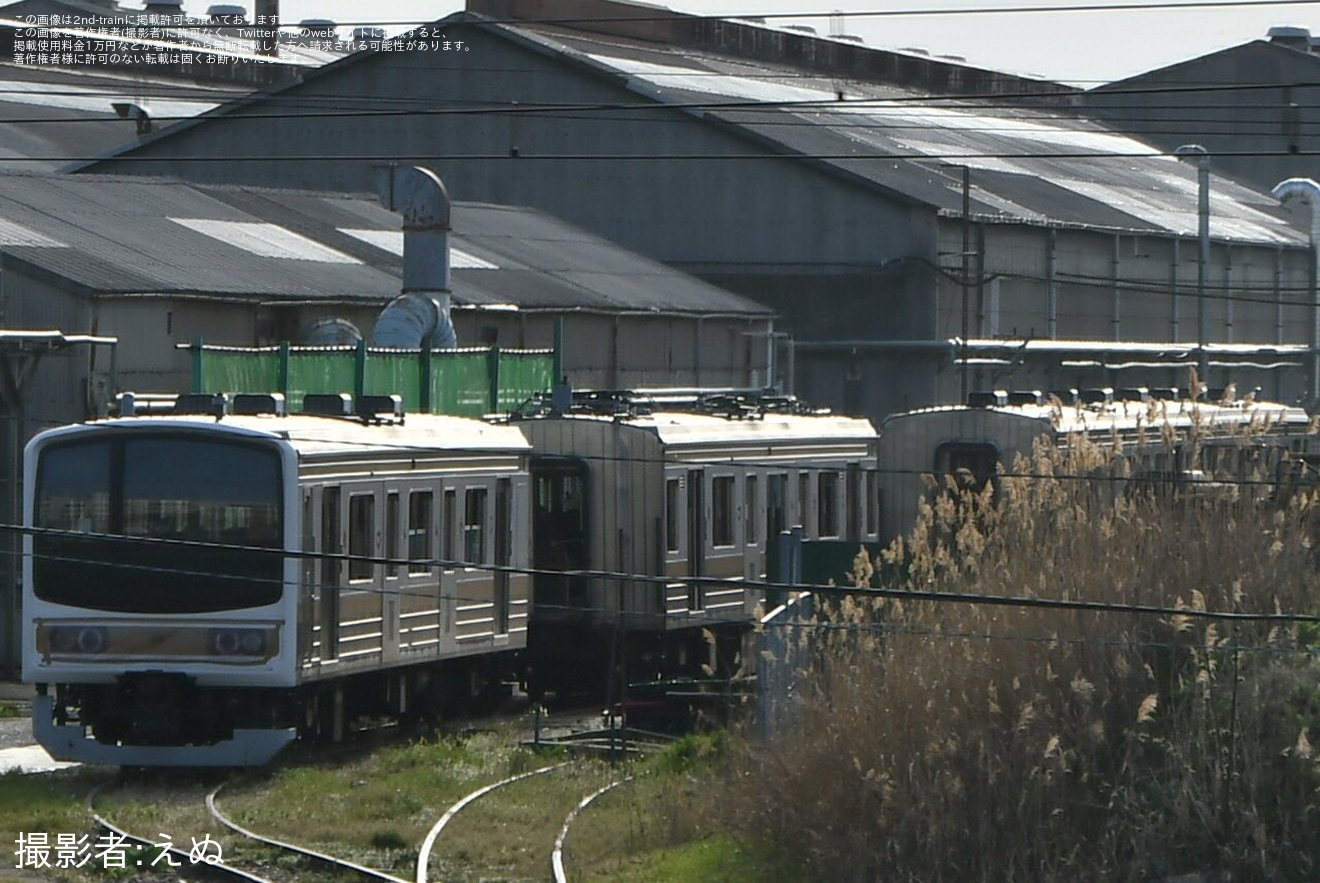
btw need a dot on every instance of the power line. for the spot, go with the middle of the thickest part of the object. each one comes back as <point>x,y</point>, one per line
<point>663,581</point>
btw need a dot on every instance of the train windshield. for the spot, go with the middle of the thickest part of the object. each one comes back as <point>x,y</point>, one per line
<point>174,524</point>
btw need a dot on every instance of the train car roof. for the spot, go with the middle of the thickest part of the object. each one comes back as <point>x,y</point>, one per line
<point>312,435</point>
<point>681,428</point>
<point>1128,416</point>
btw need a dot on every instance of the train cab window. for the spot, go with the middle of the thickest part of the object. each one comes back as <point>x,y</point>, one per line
<point>392,534</point>
<point>225,494</point>
<point>971,464</point>
<point>721,500</point>
<point>448,525</point>
<point>419,531</point>
<point>752,511</point>
<point>361,536</point>
<point>474,526</point>
<point>672,532</point>
<point>776,505</point>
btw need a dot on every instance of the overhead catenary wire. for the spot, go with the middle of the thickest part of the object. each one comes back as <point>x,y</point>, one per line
<point>906,594</point>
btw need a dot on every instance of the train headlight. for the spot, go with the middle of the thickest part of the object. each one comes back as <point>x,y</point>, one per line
<point>237,642</point>
<point>86,640</point>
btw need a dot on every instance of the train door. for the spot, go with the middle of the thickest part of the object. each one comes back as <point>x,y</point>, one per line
<point>411,578</point>
<point>503,553</point>
<point>369,616</point>
<point>309,596</point>
<point>559,534</point>
<point>753,518</point>
<point>696,536</point>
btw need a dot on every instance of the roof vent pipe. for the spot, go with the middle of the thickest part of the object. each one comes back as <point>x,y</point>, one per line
<point>1307,192</point>
<point>420,316</point>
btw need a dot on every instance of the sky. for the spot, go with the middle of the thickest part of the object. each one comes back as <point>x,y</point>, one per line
<point>1082,47</point>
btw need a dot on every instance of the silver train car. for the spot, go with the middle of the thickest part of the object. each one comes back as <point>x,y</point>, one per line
<point>686,492</point>
<point>199,590</point>
<point>1168,439</point>
<point>202,589</point>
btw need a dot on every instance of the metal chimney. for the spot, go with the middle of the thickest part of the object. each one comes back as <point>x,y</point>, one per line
<point>268,16</point>
<point>420,316</point>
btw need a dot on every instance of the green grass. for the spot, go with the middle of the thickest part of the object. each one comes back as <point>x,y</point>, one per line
<point>716,859</point>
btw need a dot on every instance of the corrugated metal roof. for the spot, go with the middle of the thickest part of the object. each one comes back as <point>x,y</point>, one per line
<point>1033,165</point>
<point>50,117</point>
<point>142,236</point>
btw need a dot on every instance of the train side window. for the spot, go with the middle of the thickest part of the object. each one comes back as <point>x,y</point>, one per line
<point>474,526</point>
<point>776,505</point>
<point>448,527</point>
<point>872,502</point>
<point>419,531</point>
<point>392,534</point>
<point>361,535</point>
<point>330,536</point>
<point>827,503</point>
<point>751,511</point>
<point>721,499</point>
<point>804,503</point>
<point>672,532</point>
<point>331,547</point>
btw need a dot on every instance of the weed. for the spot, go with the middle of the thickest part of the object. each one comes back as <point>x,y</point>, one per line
<point>969,742</point>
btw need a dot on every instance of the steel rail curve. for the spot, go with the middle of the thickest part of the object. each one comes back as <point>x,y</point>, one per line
<point>196,870</point>
<point>323,858</point>
<point>424,854</point>
<point>557,857</point>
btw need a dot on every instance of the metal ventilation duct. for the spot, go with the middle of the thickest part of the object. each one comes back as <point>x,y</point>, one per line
<point>330,332</point>
<point>420,316</point>
<point>1307,192</point>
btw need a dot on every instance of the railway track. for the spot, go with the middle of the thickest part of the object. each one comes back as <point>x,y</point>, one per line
<point>526,848</point>
<point>206,861</point>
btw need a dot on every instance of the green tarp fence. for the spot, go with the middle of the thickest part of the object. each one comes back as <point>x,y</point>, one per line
<point>465,382</point>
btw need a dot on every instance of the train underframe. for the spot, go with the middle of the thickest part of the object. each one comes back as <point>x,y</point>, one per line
<point>162,718</point>
<point>572,660</point>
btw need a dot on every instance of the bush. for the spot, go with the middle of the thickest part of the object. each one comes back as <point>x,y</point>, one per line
<point>976,742</point>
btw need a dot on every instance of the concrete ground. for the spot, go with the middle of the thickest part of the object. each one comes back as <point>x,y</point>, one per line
<point>18,750</point>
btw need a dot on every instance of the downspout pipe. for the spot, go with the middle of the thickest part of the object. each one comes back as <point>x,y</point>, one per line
<point>1307,192</point>
<point>422,311</point>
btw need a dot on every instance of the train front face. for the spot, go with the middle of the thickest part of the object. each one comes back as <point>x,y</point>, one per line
<point>158,605</point>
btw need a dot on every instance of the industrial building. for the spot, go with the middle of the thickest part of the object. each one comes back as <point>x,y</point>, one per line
<point>1254,107</point>
<point>921,227</point>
